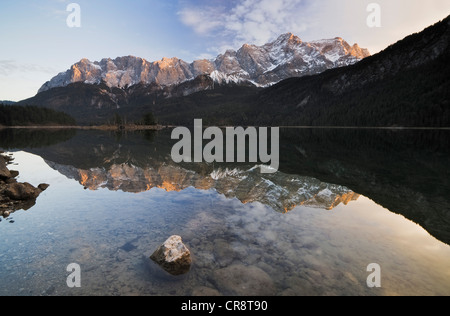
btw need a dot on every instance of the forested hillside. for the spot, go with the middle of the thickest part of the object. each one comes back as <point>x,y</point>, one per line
<point>12,115</point>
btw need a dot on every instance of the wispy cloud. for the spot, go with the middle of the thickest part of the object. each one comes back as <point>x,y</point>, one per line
<point>10,67</point>
<point>202,21</point>
<point>259,21</point>
<point>6,67</point>
<point>247,21</point>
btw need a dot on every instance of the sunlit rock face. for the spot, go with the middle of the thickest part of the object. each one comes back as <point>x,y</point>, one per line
<point>280,191</point>
<point>288,56</point>
<point>124,72</point>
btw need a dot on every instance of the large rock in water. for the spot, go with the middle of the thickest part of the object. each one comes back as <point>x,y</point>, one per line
<point>173,256</point>
<point>4,171</point>
<point>13,195</point>
<point>22,191</point>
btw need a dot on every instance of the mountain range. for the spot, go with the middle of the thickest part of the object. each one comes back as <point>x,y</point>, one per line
<point>283,83</point>
<point>92,91</point>
<point>265,65</point>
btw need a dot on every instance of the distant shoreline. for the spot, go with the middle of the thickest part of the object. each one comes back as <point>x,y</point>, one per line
<point>368,127</point>
<point>162,127</point>
<point>99,127</point>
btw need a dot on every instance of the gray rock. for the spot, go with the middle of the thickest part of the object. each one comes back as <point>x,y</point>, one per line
<point>239,280</point>
<point>173,256</point>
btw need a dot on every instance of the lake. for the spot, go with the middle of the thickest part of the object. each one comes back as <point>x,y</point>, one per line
<point>342,199</point>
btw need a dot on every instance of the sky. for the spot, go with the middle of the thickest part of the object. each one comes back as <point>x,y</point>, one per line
<point>36,42</point>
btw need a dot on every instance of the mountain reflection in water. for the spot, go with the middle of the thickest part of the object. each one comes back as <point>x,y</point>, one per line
<point>91,216</point>
<point>405,171</point>
<point>280,191</point>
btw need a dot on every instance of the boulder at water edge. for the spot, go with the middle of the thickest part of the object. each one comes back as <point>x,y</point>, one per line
<point>4,172</point>
<point>22,191</point>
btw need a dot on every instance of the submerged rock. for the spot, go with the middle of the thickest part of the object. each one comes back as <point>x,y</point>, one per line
<point>223,253</point>
<point>240,280</point>
<point>205,291</point>
<point>173,256</point>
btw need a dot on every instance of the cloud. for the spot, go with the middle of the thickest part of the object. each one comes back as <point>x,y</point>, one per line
<point>260,21</point>
<point>10,67</point>
<point>247,21</point>
<point>202,21</point>
<point>7,66</point>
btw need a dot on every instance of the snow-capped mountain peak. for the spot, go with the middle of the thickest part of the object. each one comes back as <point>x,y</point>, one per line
<point>287,56</point>
<point>337,48</point>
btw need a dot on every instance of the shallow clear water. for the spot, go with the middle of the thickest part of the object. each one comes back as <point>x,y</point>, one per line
<point>98,216</point>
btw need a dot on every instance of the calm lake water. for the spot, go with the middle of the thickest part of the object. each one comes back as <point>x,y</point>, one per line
<point>342,199</point>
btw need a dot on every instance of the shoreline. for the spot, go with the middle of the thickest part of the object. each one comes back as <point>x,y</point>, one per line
<point>162,127</point>
<point>99,127</point>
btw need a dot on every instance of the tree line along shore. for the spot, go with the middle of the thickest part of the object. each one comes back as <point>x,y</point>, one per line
<point>33,117</point>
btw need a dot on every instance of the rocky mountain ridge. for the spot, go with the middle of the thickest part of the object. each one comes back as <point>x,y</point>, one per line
<point>93,92</point>
<point>288,56</point>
